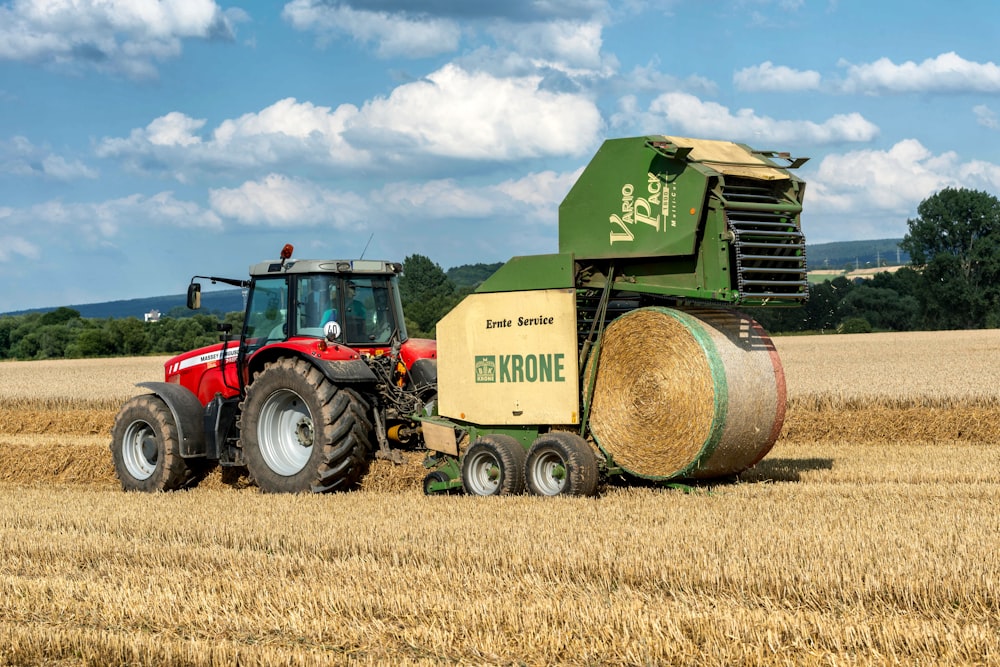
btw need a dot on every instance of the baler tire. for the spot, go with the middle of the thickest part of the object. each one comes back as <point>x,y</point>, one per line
<point>561,463</point>
<point>494,466</point>
<point>300,432</point>
<point>145,447</point>
<point>433,478</point>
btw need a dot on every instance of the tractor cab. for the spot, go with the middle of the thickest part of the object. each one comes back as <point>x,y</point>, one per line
<point>354,303</point>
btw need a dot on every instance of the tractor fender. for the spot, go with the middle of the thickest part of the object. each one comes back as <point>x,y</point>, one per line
<point>188,413</point>
<point>348,371</point>
<point>338,371</point>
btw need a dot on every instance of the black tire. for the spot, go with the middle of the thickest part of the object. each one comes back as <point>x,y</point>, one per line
<point>146,449</point>
<point>433,478</point>
<point>300,432</point>
<point>561,463</point>
<point>494,466</point>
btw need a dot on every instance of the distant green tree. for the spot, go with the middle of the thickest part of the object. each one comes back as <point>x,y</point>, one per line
<point>94,341</point>
<point>427,295</point>
<point>22,344</point>
<point>172,336</point>
<point>854,325</point>
<point>955,242</point>
<point>235,318</point>
<point>59,316</point>
<point>781,320</point>
<point>823,307</point>
<point>471,275</point>
<point>7,324</point>
<point>129,336</point>
<point>423,279</point>
<point>880,307</point>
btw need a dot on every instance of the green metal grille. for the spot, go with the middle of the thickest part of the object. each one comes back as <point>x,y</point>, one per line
<point>770,249</point>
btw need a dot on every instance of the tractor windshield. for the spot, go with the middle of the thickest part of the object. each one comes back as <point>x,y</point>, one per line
<point>364,308</point>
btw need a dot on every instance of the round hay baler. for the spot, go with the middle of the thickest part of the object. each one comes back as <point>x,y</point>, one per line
<point>627,353</point>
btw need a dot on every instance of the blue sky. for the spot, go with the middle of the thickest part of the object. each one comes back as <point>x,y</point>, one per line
<point>142,142</point>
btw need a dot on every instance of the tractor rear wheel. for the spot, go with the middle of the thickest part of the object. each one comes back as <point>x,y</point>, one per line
<point>300,432</point>
<point>494,466</point>
<point>560,462</point>
<point>146,449</point>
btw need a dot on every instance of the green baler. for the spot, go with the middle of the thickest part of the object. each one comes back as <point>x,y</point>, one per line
<point>623,354</point>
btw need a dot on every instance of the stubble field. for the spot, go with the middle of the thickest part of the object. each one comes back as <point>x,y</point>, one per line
<point>867,536</point>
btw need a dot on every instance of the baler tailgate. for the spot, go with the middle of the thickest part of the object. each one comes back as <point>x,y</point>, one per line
<point>769,245</point>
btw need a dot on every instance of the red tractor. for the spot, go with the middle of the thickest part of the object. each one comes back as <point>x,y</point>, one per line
<point>322,378</point>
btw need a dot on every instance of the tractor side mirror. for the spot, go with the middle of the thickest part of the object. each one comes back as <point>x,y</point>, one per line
<point>194,296</point>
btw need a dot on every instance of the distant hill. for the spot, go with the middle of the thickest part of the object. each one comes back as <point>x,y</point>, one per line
<point>218,302</point>
<point>855,254</point>
<point>839,255</point>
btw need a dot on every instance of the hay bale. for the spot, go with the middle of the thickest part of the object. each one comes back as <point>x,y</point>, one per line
<point>686,394</point>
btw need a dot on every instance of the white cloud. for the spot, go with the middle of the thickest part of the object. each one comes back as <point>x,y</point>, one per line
<point>767,77</point>
<point>452,114</point>
<point>441,199</point>
<point>895,180</point>
<point>947,73</point>
<point>986,117</point>
<point>394,34</point>
<point>174,129</point>
<point>121,36</point>
<point>564,45</point>
<point>287,132</point>
<point>544,190</point>
<point>687,114</point>
<point>99,223</point>
<point>12,247</point>
<point>279,201</point>
<point>460,114</point>
<point>537,195</point>
<point>19,157</point>
<point>871,193</point>
<point>648,78</point>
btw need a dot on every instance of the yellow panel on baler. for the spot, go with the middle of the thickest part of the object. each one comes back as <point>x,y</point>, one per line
<point>510,358</point>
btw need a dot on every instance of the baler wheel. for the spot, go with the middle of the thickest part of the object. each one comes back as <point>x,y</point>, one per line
<point>146,450</point>
<point>560,462</point>
<point>300,432</point>
<point>494,466</point>
<point>435,477</point>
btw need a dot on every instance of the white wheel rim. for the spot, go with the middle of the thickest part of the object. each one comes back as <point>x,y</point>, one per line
<point>548,470</point>
<point>285,432</point>
<point>140,451</point>
<point>482,473</point>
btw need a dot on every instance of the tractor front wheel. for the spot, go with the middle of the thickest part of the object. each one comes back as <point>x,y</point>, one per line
<point>145,447</point>
<point>561,463</point>
<point>300,432</point>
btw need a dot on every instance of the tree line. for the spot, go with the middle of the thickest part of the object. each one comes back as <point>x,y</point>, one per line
<point>952,282</point>
<point>427,292</point>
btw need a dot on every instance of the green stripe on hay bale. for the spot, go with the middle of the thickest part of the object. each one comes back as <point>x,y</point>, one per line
<point>686,394</point>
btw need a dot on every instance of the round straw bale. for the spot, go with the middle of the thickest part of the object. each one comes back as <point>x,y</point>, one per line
<point>686,394</point>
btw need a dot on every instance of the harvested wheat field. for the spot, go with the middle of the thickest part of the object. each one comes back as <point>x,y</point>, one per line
<point>867,536</point>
